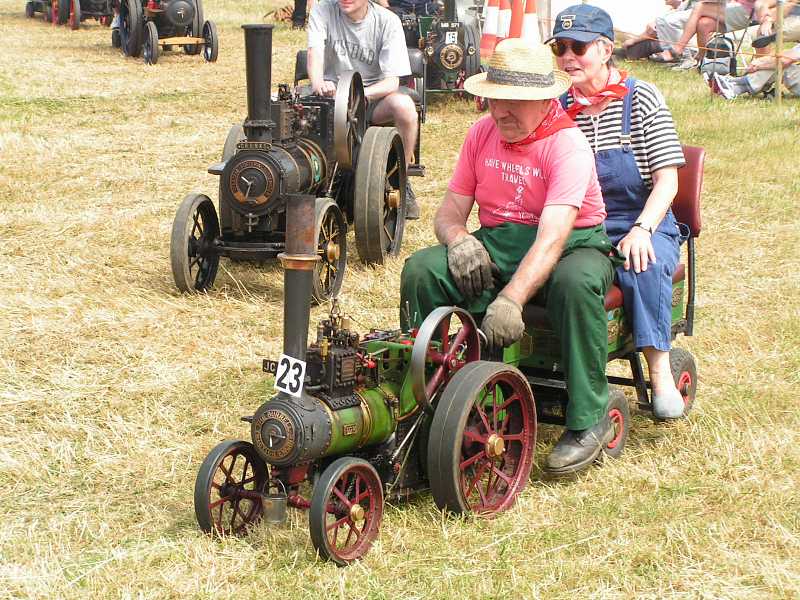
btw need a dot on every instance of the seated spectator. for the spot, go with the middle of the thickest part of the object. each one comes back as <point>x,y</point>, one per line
<point>766,15</point>
<point>362,36</point>
<point>709,17</point>
<point>659,35</point>
<point>760,74</point>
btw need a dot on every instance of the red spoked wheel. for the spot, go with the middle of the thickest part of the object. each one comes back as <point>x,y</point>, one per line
<point>620,417</point>
<point>482,439</point>
<point>227,488</point>
<point>443,346</point>
<point>684,373</point>
<point>346,510</point>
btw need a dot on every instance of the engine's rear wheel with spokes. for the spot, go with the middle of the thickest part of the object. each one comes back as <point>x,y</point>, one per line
<point>193,254</point>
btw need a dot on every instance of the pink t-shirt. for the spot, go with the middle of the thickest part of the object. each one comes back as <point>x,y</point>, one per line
<point>515,184</point>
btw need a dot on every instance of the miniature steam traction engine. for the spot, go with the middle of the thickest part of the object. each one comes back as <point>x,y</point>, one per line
<point>71,11</point>
<point>386,414</point>
<point>295,145</point>
<point>147,25</point>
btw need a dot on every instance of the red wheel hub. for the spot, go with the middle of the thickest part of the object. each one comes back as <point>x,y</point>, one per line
<point>685,386</point>
<point>618,422</point>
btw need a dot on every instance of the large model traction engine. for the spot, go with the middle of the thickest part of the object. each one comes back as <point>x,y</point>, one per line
<point>146,26</point>
<point>71,12</point>
<point>358,418</point>
<point>295,145</point>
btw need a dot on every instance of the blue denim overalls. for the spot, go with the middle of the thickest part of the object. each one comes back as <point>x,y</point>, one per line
<point>647,295</point>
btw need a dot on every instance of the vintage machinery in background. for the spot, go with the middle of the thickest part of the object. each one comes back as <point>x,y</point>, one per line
<point>359,418</point>
<point>450,44</point>
<point>148,25</point>
<point>295,145</point>
<point>71,12</point>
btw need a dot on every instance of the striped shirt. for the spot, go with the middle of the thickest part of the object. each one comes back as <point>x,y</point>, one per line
<point>653,137</point>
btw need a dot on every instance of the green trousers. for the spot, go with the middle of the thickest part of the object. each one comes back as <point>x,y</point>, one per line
<point>572,296</point>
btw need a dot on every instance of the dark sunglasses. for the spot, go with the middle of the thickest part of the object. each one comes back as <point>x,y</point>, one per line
<point>560,47</point>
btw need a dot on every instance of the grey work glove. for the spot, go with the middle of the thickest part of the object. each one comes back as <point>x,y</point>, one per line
<point>503,323</point>
<point>471,266</point>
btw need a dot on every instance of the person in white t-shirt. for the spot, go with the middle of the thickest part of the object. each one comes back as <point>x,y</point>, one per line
<point>361,35</point>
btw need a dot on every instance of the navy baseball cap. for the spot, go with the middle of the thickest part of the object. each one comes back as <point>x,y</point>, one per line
<point>583,23</point>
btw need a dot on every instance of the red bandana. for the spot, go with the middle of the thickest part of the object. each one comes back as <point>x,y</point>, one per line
<point>615,88</point>
<point>555,120</point>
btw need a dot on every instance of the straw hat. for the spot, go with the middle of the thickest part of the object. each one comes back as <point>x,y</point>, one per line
<point>519,71</point>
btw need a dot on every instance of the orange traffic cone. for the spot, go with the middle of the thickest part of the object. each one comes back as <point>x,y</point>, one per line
<point>503,20</point>
<point>489,33</point>
<point>517,13</point>
<point>530,23</point>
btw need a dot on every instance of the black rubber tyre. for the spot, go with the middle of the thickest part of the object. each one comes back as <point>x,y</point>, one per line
<point>348,489</point>
<point>331,229</point>
<point>195,29</point>
<point>211,47</point>
<point>230,466</point>
<point>467,444</point>
<point>194,230</point>
<point>131,27</point>
<point>116,39</point>
<point>74,14</point>
<point>379,204</point>
<point>620,416</point>
<point>684,372</point>
<point>472,39</point>
<point>30,11</point>
<point>150,45</point>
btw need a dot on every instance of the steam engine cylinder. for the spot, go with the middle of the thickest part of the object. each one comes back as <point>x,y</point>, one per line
<point>289,431</point>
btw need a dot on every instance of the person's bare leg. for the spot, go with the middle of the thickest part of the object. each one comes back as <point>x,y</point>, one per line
<point>706,28</point>
<point>399,109</point>
<point>704,9</point>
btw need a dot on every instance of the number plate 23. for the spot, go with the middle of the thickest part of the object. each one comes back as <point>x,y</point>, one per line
<point>289,375</point>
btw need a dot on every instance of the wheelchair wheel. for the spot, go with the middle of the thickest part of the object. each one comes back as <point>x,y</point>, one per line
<point>482,439</point>
<point>131,27</point>
<point>620,416</point>
<point>684,372</point>
<point>379,207</point>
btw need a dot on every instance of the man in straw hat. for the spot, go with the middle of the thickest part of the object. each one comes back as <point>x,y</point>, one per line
<point>541,237</point>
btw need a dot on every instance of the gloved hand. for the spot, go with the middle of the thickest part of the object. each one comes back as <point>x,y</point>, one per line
<point>503,323</point>
<point>471,266</point>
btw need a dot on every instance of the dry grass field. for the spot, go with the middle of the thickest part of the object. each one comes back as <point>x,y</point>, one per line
<point>113,387</point>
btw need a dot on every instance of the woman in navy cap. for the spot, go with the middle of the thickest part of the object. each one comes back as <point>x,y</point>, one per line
<point>637,152</point>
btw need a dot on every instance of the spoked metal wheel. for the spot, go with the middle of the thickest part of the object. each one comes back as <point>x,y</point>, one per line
<point>346,510</point>
<point>131,27</point>
<point>75,14</point>
<point>150,45</point>
<point>211,48</point>
<point>446,341</point>
<point>480,450</point>
<point>620,417</point>
<point>684,372</point>
<point>379,203</point>
<point>349,118</point>
<point>331,231</point>
<point>192,253</point>
<point>196,28</point>
<point>226,491</point>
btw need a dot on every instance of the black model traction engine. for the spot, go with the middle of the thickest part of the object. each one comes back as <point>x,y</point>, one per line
<point>293,144</point>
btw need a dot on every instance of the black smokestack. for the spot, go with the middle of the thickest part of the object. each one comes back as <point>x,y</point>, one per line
<point>258,60</point>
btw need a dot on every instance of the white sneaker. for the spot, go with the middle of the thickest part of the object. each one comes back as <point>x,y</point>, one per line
<point>724,86</point>
<point>685,65</point>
